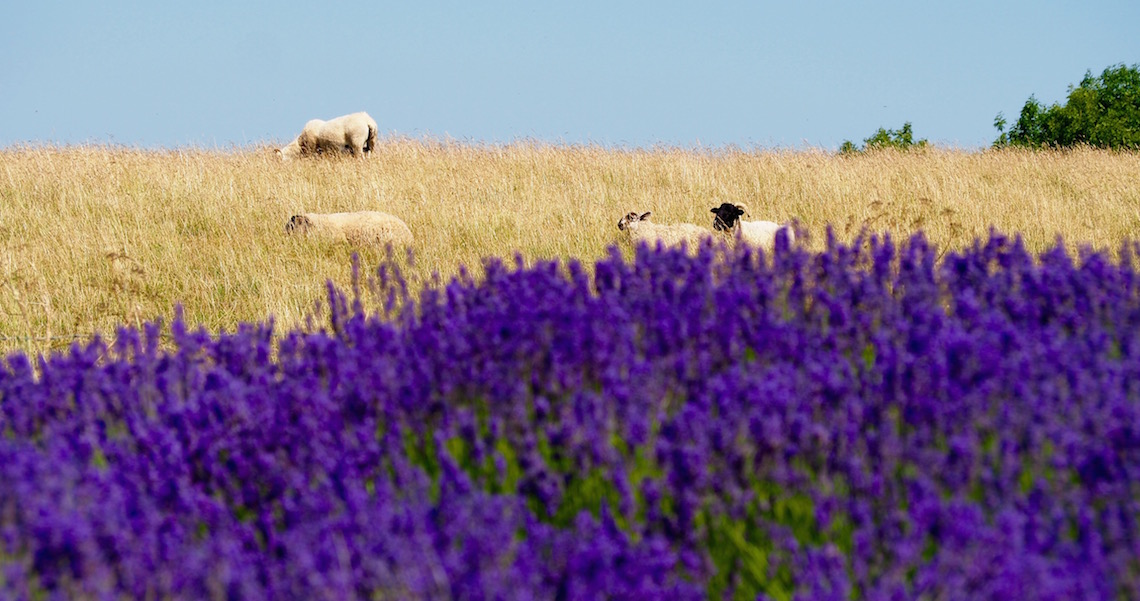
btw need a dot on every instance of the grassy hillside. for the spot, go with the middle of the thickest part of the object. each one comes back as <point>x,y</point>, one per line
<point>95,237</point>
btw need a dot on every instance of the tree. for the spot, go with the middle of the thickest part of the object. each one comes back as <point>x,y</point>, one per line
<point>1102,111</point>
<point>902,139</point>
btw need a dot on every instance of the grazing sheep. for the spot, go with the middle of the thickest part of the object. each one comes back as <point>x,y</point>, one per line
<point>756,233</point>
<point>361,227</point>
<point>640,229</point>
<point>355,133</point>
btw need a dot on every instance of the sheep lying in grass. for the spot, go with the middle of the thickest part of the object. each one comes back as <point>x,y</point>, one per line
<point>756,233</point>
<point>361,227</point>
<point>640,229</point>
<point>355,133</point>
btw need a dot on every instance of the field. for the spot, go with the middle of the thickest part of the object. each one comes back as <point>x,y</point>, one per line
<point>854,417</point>
<point>96,237</point>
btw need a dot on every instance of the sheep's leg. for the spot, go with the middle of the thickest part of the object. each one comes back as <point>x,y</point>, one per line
<point>349,144</point>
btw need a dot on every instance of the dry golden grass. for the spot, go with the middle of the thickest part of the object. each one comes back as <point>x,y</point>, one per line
<point>96,237</point>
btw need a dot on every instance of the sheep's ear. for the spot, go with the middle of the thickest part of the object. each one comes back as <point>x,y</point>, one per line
<point>644,216</point>
<point>712,210</point>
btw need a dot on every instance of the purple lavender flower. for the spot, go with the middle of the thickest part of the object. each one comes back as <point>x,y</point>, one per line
<point>865,422</point>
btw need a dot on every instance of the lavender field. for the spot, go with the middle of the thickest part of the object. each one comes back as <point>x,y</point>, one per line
<point>873,421</point>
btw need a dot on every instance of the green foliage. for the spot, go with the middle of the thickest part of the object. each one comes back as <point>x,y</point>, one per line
<point>1102,111</point>
<point>901,139</point>
<point>740,551</point>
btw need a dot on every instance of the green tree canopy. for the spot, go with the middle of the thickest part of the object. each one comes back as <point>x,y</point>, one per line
<point>1102,111</point>
<point>902,139</point>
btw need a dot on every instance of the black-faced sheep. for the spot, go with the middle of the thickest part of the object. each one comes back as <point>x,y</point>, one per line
<point>355,133</point>
<point>756,233</point>
<point>640,229</point>
<point>360,227</point>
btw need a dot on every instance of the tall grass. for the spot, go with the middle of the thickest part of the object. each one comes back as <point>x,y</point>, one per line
<point>95,237</point>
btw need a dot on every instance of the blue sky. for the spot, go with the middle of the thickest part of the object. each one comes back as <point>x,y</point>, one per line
<point>633,74</point>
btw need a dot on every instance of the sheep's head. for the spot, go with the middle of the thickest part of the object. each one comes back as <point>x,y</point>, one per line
<point>297,222</point>
<point>630,218</point>
<point>290,151</point>
<point>726,216</point>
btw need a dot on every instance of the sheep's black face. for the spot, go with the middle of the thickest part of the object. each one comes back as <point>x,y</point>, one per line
<point>726,216</point>
<point>629,218</point>
<point>296,222</point>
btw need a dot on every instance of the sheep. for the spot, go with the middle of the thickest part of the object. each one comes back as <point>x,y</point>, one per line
<point>355,133</point>
<point>360,227</point>
<point>640,229</point>
<point>756,233</point>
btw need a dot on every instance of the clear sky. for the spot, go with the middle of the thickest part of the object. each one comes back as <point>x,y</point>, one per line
<point>782,74</point>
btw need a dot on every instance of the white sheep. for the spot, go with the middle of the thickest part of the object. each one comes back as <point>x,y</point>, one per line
<point>355,133</point>
<point>640,229</point>
<point>360,227</point>
<point>756,233</point>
